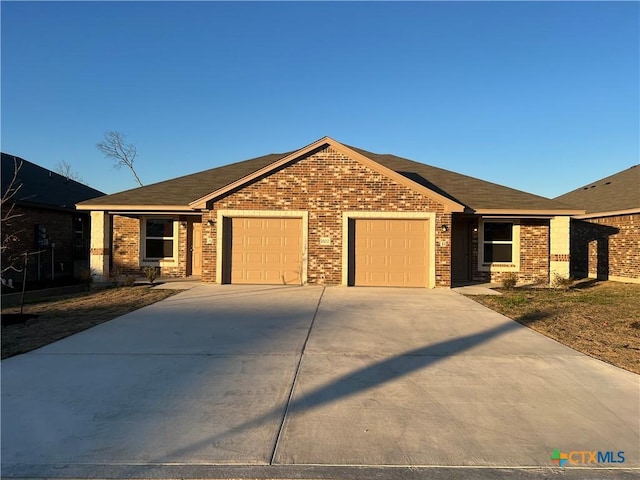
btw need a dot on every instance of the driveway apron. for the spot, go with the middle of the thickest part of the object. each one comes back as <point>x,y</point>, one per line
<point>247,375</point>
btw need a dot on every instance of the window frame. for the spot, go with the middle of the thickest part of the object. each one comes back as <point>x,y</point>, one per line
<point>514,264</point>
<point>146,261</point>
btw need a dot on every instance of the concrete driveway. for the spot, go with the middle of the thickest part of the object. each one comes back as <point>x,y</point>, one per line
<point>288,376</point>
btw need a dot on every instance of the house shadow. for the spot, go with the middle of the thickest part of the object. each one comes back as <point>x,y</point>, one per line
<point>590,249</point>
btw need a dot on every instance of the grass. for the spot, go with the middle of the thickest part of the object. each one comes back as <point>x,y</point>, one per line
<point>599,319</point>
<point>63,316</point>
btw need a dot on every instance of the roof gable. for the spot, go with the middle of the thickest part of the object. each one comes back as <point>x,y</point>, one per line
<point>449,204</point>
<point>455,191</point>
<point>615,193</point>
<point>41,187</point>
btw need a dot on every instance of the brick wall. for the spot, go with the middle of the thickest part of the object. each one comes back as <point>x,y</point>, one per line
<point>126,249</point>
<point>126,246</point>
<point>606,247</point>
<point>534,254</point>
<point>60,230</point>
<point>326,183</point>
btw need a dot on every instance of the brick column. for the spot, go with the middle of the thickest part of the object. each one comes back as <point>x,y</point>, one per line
<point>559,247</point>
<point>100,252</point>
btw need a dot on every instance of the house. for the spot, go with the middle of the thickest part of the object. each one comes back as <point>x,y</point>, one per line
<point>44,220</point>
<point>329,213</point>
<point>605,240</point>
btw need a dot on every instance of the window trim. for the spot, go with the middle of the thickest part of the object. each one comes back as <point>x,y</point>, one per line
<point>514,265</point>
<point>155,262</point>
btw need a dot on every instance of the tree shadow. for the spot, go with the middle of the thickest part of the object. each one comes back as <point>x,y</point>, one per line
<point>361,380</point>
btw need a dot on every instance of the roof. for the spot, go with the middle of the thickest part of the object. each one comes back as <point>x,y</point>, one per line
<point>41,187</point>
<point>616,193</point>
<point>450,187</point>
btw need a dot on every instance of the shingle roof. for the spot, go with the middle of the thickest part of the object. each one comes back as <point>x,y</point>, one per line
<point>183,190</point>
<point>42,187</point>
<point>468,191</point>
<point>617,192</point>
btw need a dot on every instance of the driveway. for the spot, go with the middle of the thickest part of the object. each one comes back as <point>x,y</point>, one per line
<point>289,376</point>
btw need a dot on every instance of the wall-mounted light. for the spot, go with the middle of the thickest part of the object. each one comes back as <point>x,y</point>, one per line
<point>445,228</point>
<point>209,223</point>
<point>183,224</point>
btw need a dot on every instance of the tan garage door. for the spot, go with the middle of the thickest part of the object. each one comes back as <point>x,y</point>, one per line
<point>391,252</point>
<point>266,250</point>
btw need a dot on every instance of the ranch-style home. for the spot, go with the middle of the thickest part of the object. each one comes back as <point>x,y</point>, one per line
<point>331,214</point>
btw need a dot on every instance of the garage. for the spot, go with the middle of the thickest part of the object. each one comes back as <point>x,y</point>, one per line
<point>389,252</point>
<point>264,250</point>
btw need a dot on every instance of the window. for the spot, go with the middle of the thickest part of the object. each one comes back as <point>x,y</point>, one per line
<point>497,242</point>
<point>159,239</point>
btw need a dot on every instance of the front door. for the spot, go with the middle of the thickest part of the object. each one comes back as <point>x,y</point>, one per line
<point>461,250</point>
<point>196,249</point>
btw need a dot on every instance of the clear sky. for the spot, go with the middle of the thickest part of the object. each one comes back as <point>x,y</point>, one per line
<point>543,97</point>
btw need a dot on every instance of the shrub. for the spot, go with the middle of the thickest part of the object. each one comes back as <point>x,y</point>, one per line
<point>559,281</point>
<point>87,276</point>
<point>151,273</point>
<point>129,281</point>
<point>509,280</point>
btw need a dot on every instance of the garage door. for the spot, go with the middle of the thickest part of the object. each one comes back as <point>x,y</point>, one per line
<point>391,253</point>
<point>266,250</point>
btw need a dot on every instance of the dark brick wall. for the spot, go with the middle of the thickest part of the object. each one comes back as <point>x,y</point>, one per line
<point>60,230</point>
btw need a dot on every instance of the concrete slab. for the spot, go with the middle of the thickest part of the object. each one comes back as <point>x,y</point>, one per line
<point>480,289</point>
<point>213,382</point>
<point>168,383</point>
<point>432,378</point>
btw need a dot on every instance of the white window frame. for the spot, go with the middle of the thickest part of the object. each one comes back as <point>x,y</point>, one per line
<point>158,262</point>
<point>514,265</point>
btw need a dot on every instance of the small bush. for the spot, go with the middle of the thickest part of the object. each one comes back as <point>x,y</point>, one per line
<point>129,281</point>
<point>561,282</point>
<point>87,276</point>
<point>151,273</point>
<point>509,280</point>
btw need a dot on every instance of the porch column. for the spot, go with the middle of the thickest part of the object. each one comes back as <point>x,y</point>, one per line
<point>100,253</point>
<point>559,247</point>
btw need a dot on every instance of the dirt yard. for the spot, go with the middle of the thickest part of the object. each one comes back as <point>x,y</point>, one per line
<point>63,316</point>
<point>601,319</point>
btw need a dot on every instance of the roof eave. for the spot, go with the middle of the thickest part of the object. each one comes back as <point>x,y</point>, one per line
<point>527,211</point>
<point>142,208</point>
<point>611,213</point>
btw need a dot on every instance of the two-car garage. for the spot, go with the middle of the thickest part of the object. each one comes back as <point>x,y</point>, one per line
<point>379,251</point>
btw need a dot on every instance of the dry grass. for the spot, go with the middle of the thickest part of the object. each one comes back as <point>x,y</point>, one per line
<point>64,316</point>
<point>599,319</point>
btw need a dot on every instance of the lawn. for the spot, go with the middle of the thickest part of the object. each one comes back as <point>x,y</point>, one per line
<point>601,319</point>
<point>63,316</point>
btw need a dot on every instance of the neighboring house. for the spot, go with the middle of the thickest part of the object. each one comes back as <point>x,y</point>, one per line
<point>45,220</point>
<point>331,214</point>
<point>605,241</point>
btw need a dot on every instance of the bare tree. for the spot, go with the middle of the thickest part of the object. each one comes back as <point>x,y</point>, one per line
<point>10,236</point>
<point>66,170</point>
<point>115,147</point>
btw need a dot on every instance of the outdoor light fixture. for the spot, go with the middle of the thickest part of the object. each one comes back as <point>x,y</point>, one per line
<point>445,228</point>
<point>209,223</point>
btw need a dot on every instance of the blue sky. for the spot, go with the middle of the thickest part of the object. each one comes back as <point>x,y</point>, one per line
<point>540,96</point>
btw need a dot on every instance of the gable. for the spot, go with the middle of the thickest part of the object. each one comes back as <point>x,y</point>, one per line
<point>449,204</point>
<point>325,180</point>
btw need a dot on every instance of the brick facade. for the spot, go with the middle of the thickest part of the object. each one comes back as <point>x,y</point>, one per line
<point>607,248</point>
<point>60,229</point>
<point>327,183</point>
<point>534,254</point>
<point>126,248</point>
